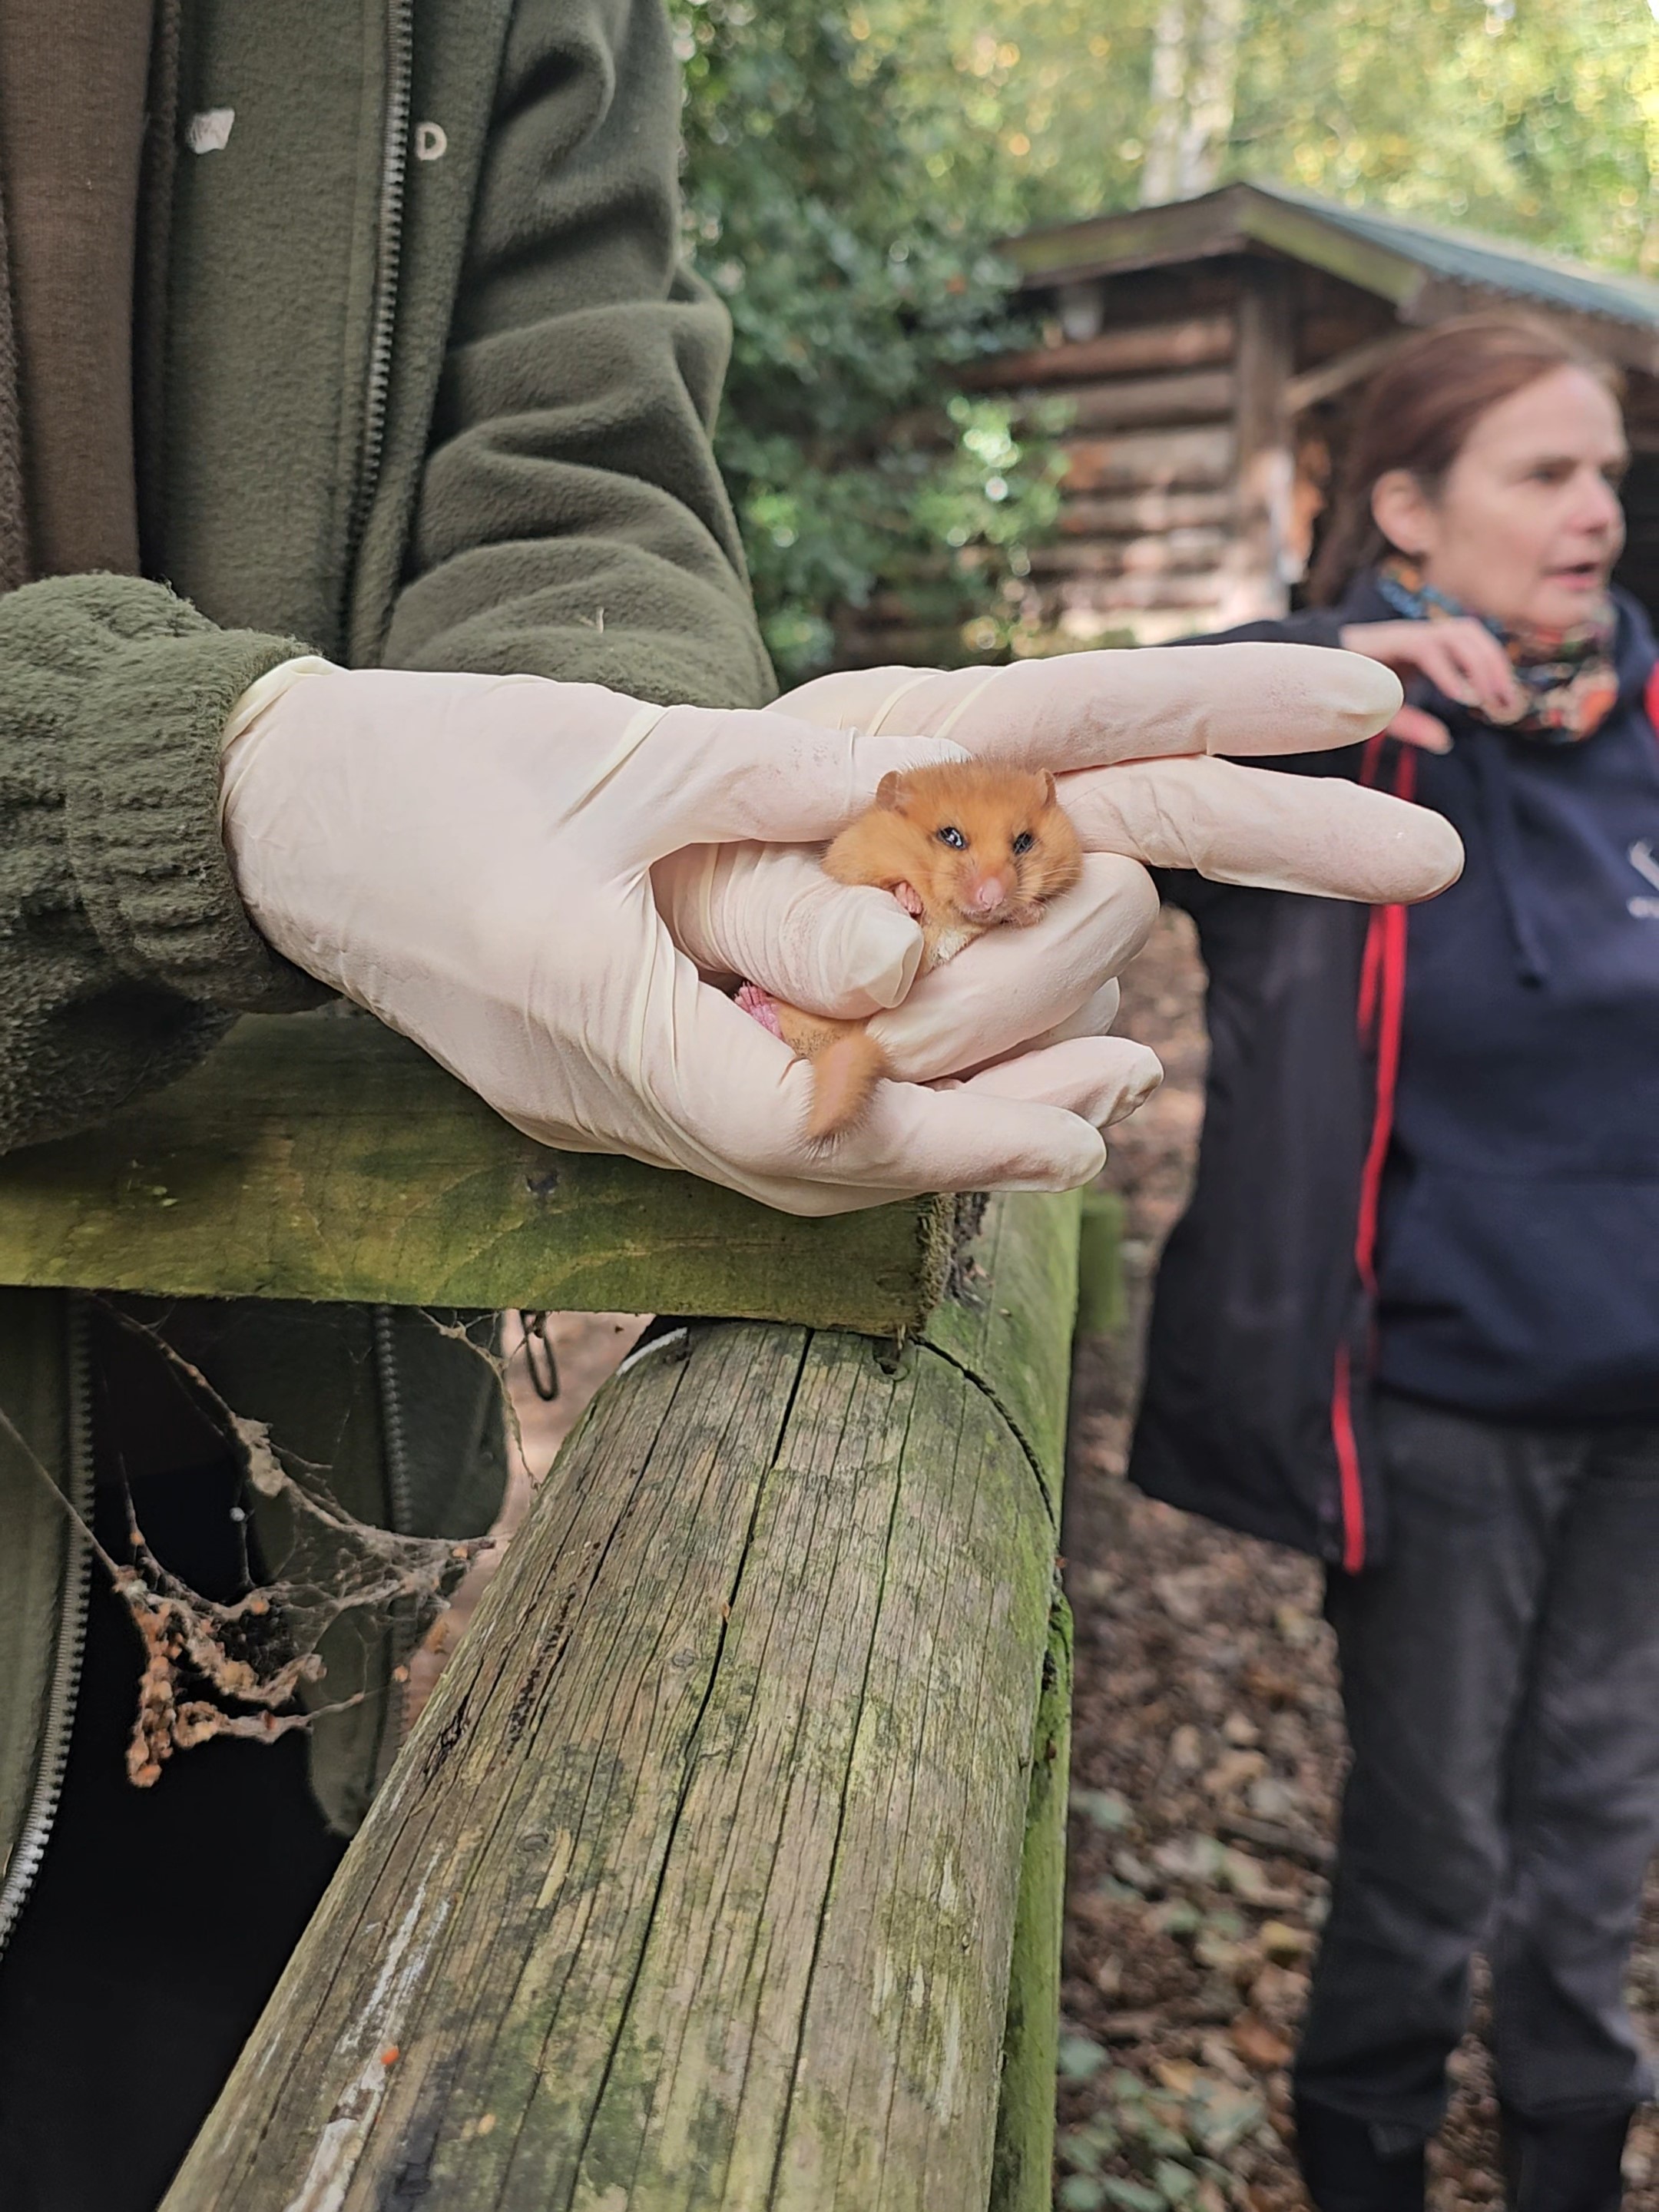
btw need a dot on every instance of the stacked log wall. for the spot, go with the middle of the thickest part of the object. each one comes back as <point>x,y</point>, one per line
<point>1151,540</point>
<point>1206,415</point>
<point>1147,540</point>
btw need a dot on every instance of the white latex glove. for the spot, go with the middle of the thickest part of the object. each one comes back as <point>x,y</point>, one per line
<point>1131,736</point>
<point>471,858</point>
<point>1137,729</point>
<point>1146,723</point>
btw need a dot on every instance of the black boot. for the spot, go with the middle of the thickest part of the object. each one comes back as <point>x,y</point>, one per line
<point>1345,2171</point>
<point>1569,2164</point>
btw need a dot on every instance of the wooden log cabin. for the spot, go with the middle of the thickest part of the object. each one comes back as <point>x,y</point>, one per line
<point>1211,348</point>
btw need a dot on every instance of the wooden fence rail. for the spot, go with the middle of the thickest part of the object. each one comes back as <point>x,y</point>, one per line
<point>723,1867</point>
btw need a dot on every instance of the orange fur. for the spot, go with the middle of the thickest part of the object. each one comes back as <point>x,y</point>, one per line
<point>844,1078</point>
<point>955,890</point>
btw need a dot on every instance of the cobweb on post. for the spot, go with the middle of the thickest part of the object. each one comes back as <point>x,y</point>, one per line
<point>239,1667</point>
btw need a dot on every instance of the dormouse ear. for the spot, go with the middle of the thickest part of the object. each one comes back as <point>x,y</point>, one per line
<point>1047,788</point>
<point>887,792</point>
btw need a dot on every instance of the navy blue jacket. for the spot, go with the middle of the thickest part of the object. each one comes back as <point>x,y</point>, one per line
<point>1430,1155</point>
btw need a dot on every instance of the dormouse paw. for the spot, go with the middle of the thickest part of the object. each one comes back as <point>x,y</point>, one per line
<point>909,900</point>
<point>755,1001</point>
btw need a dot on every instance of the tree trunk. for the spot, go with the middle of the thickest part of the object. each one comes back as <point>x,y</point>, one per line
<point>1194,75</point>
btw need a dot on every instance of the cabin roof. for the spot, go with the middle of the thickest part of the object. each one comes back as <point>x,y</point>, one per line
<point>1401,261</point>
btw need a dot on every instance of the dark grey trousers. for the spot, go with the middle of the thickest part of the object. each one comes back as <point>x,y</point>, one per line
<point>1500,1675</point>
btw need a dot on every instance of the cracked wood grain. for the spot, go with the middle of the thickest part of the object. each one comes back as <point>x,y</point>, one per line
<point>717,1817</point>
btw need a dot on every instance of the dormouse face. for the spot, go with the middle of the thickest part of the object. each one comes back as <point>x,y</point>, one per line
<point>989,858</point>
<point>985,834</point>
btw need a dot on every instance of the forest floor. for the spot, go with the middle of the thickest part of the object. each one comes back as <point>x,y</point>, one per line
<point>1207,1758</point>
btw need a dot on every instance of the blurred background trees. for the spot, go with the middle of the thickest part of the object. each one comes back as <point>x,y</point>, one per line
<point>851,163</point>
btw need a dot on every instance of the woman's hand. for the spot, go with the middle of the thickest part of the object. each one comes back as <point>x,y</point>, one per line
<point>1460,657</point>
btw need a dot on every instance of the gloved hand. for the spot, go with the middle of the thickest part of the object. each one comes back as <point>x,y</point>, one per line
<point>470,858</point>
<point>1138,732</point>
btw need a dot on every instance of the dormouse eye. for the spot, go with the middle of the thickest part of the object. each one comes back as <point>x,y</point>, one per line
<point>1024,842</point>
<point>953,838</point>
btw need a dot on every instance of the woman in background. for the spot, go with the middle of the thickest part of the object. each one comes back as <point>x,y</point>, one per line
<point>1411,1320</point>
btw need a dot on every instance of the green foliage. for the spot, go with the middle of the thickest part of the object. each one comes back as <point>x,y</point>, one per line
<point>850,163</point>
<point>839,205</point>
<point>1533,119</point>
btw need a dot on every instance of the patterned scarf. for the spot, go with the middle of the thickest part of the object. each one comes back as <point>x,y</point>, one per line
<point>1568,675</point>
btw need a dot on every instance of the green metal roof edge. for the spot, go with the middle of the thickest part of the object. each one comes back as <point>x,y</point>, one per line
<point>1384,253</point>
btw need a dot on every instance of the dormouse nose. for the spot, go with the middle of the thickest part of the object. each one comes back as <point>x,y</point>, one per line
<point>989,893</point>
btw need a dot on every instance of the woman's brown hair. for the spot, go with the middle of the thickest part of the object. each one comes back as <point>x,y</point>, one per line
<point>1416,414</point>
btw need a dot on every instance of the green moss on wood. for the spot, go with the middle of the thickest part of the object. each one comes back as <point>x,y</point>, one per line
<point>321,1157</point>
<point>1006,1319</point>
<point>1022,2178</point>
<point>1100,1298</point>
<point>698,1884</point>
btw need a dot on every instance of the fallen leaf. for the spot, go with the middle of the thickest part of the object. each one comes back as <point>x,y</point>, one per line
<point>1249,1878</point>
<point>1080,2057</point>
<point>1184,1596</point>
<point>1186,1749</point>
<point>1195,1858</point>
<point>1259,2045</point>
<point>1283,1942</point>
<point>1081,2192</point>
<point>1298,1629</point>
<point>1104,1809</point>
<point>1135,1871</point>
<point>1233,1770</point>
<point>1271,1799</point>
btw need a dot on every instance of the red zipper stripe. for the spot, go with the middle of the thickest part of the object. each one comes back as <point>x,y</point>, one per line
<point>1380,1008</point>
<point>1390,924</point>
<point>1347,1463</point>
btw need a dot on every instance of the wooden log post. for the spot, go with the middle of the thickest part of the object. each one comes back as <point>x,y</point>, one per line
<point>723,1867</point>
<point>1022,2170</point>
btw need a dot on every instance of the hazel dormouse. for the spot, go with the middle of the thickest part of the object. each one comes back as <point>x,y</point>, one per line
<point>964,848</point>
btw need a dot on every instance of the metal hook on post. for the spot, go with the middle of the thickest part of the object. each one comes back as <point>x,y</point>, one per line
<point>544,1367</point>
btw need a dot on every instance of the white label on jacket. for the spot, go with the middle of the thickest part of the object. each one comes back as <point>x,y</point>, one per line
<point>210,131</point>
<point>1642,860</point>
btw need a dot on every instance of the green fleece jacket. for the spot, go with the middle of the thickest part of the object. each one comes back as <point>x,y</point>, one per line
<point>431,391</point>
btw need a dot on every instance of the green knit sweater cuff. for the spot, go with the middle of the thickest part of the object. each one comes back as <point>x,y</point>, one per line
<point>132,687</point>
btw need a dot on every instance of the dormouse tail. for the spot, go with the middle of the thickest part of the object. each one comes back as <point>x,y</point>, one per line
<point>843,1076</point>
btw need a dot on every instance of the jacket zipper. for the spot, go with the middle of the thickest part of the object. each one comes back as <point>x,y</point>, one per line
<point>63,1692</point>
<point>399,1491</point>
<point>64,1688</point>
<point>394,163</point>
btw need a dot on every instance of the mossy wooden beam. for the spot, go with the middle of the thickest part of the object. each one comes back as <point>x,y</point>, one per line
<point>700,1882</point>
<point>1022,2168</point>
<point>321,1157</point>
